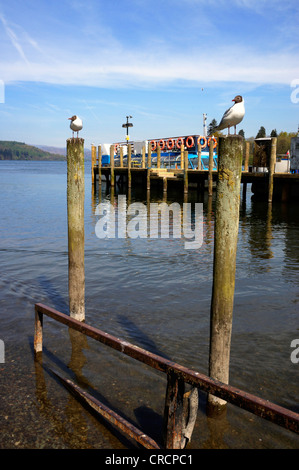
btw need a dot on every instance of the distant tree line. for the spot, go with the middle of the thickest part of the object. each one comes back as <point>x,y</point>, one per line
<point>283,138</point>
<point>11,150</point>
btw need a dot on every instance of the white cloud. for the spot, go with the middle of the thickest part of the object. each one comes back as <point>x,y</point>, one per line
<point>99,58</point>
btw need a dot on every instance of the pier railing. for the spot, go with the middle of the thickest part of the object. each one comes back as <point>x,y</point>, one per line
<point>177,429</point>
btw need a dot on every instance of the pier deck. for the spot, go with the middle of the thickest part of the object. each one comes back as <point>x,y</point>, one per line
<point>286,185</point>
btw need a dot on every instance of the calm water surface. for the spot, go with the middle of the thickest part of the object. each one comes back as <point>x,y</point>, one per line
<point>151,292</point>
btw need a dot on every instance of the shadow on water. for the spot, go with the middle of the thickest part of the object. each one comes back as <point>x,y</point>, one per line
<point>138,335</point>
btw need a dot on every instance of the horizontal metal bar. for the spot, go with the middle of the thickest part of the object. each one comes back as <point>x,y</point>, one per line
<point>258,406</point>
<point>108,414</point>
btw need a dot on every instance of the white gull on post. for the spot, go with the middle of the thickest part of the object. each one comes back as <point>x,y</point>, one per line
<point>233,115</point>
<point>76,124</point>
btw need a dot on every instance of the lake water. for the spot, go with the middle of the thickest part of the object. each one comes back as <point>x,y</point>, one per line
<point>151,292</point>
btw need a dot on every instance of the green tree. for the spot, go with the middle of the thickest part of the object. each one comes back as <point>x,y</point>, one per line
<point>284,142</point>
<point>261,133</point>
<point>241,132</point>
<point>273,133</point>
<point>212,127</point>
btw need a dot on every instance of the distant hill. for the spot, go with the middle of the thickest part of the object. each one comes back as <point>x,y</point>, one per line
<point>62,151</point>
<point>10,150</point>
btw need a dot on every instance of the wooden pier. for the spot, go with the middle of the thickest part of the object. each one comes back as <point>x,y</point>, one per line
<point>285,185</point>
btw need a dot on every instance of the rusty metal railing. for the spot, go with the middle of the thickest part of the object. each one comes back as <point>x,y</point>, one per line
<point>177,431</point>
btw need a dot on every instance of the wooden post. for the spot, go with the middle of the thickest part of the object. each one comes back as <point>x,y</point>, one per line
<point>112,165</point>
<point>199,157</point>
<point>149,164</point>
<point>173,413</point>
<point>121,156</point>
<point>247,147</point>
<point>100,164</point>
<point>75,210</point>
<point>225,249</point>
<point>143,158</point>
<point>272,168</point>
<point>158,156</point>
<point>129,166</point>
<point>182,156</point>
<point>211,164</point>
<point>93,162</point>
<point>38,332</point>
<point>186,171</point>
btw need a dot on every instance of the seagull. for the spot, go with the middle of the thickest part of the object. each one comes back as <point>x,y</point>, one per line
<point>233,115</point>
<point>76,124</point>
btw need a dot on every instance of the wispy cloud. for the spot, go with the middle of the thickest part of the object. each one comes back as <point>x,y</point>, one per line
<point>13,38</point>
<point>101,51</point>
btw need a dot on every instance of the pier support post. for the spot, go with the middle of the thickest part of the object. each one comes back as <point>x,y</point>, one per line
<point>158,156</point>
<point>112,180</point>
<point>121,157</point>
<point>149,164</point>
<point>272,168</point>
<point>186,172</point>
<point>143,158</point>
<point>211,164</point>
<point>129,166</point>
<point>199,157</point>
<point>75,210</point>
<point>225,249</point>
<point>182,156</point>
<point>100,164</point>
<point>93,162</point>
<point>247,147</point>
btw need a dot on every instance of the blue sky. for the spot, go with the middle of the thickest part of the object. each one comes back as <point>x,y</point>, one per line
<point>164,62</point>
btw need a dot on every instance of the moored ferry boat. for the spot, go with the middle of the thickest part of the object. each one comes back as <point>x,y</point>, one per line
<point>171,148</point>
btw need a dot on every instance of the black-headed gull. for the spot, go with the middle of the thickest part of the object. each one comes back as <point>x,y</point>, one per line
<point>233,115</point>
<point>76,124</point>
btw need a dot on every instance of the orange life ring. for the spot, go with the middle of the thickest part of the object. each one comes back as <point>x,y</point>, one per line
<point>170,144</point>
<point>202,138</point>
<point>161,144</point>
<point>188,143</point>
<point>180,139</point>
<point>153,144</point>
<point>215,142</point>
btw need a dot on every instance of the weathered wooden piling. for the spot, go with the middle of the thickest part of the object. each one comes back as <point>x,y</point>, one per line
<point>272,168</point>
<point>112,178</point>
<point>158,156</point>
<point>143,158</point>
<point>186,171</point>
<point>93,162</point>
<point>121,157</point>
<point>75,211</point>
<point>149,165</point>
<point>182,156</point>
<point>199,157</point>
<point>225,249</point>
<point>100,163</point>
<point>211,164</point>
<point>247,147</point>
<point>129,166</point>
